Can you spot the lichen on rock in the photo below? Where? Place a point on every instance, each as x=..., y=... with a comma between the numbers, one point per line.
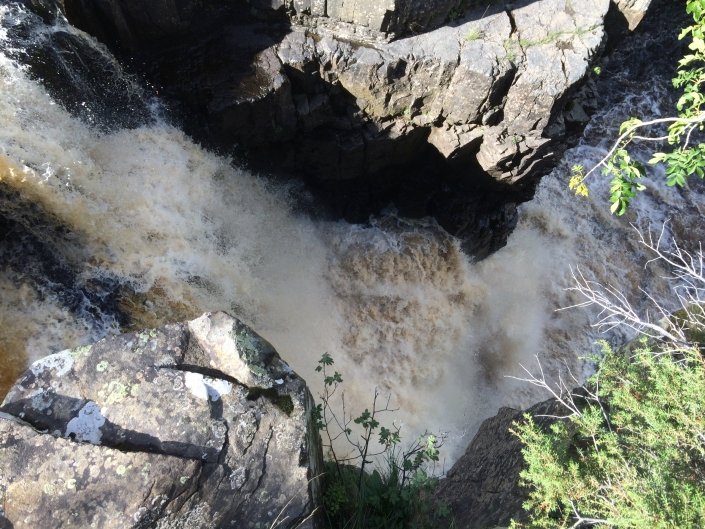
x=158, y=425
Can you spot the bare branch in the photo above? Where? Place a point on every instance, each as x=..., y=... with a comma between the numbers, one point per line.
x=561, y=392
x=615, y=308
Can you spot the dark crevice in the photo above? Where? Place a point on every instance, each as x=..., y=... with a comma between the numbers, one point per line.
x=217, y=413
x=153, y=515
x=264, y=459
x=113, y=436
x=512, y=22
x=196, y=489
x=251, y=440
x=283, y=402
x=149, y=490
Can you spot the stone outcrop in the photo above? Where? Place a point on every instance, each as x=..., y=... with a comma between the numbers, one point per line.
x=193, y=425
x=486, y=87
x=482, y=488
x=469, y=104
x=484, y=91
x=389, y=19
x=633, y=10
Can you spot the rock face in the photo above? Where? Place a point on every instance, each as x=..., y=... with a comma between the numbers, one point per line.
x=194, y=425
x=389, y=19
x=482, y=488
x=486, y=90
x=468, y=104
x=633, y=10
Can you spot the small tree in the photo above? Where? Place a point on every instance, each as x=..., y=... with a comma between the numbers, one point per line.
x=684, y=156
x=630, y=450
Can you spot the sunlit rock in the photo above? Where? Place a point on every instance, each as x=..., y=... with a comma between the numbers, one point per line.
x=199, y=424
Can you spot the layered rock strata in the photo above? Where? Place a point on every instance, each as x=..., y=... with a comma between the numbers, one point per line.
x=469, y=104
x=485, y=91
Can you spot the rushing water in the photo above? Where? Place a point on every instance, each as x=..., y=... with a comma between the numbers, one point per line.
x=167, y=230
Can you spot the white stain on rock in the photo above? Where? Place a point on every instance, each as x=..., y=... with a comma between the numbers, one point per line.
x=60, y=363
x=206, y=387
x=86, y=426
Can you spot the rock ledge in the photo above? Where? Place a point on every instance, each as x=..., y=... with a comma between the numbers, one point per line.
x=192, y=425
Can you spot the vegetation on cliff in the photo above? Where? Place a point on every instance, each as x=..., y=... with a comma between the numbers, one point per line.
x=370, y=481
x=630, y=450
x=683, y=155
x=631, y=453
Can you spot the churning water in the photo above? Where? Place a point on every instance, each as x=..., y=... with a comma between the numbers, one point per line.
x=147, y=221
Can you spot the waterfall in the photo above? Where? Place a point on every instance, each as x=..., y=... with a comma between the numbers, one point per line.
x=116, y=223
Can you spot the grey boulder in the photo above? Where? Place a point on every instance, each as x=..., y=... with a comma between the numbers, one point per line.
x=192, y=425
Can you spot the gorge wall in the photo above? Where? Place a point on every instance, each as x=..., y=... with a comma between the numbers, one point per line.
x=455, y=122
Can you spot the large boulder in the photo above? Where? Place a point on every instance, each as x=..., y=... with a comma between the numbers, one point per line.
x=192, y=425
x=485, y=90
x=482, y=488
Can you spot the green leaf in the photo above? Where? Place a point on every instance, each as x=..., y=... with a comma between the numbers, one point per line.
x=657, y=158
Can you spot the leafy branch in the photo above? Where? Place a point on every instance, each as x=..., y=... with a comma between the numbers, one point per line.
x=685, y=157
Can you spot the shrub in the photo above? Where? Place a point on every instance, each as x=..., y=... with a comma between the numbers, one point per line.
x=396, y=493
x=684, y=154
x=632, y=455
x=630, y=451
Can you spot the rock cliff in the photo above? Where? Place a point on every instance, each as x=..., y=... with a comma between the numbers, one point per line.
x=192, y=425
x=429, y=107
x=485, y=91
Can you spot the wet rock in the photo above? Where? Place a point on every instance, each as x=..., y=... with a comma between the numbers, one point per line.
x=220, y=423
x=482, y=488
x=84, y=78
x=132, y=23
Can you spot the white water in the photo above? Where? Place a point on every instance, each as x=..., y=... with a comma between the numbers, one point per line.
x=397, y=305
